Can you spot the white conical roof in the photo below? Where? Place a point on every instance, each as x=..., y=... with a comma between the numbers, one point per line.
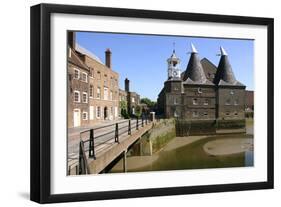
x=223, y=52
x=193, y=49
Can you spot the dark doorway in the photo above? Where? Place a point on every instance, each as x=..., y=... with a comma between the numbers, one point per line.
x=105, y=112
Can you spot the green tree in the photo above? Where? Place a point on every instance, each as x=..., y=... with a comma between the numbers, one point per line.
x=123, y=107
x=150, y=104
x=138, y=111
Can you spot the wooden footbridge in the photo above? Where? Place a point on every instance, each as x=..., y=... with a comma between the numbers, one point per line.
x=99, y=147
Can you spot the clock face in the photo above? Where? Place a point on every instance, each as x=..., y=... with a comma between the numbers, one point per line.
x=175, y=73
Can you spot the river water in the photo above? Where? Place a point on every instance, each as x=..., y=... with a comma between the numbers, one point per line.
x=194, y=152
x=181, y=153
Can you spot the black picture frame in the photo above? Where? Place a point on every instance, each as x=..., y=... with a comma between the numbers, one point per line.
x=41, y=102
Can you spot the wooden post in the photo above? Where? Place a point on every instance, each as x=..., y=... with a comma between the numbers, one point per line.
x=137, y=124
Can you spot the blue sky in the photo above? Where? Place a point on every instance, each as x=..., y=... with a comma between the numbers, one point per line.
x=142, y=58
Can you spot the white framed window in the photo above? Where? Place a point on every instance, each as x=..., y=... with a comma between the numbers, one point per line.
x=236, y=102
x=206, y=102
x=76, y=73
x=176, y=101
x=77, y=96
x=195, y=101
x=111, y=95
x=91, y=91
x=98, y=93
x=85, y=77
x=99, y=74
x=85, y=115
x=176, y=114
x=195, y=114
x=98, y=112
x=101, y=112
x=105, y=93
x=85, y=97
x=92, y=72
x=227, y=102
x=133, y=99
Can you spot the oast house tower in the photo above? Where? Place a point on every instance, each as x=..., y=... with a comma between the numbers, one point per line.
x=204, y=94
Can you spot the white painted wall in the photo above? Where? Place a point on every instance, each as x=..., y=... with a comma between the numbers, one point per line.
x=14, y=55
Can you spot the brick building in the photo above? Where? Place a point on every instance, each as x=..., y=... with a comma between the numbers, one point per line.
x=103, y=89
x=203, y=91
x=77, y=90
x=93, y=88
x=132, y=98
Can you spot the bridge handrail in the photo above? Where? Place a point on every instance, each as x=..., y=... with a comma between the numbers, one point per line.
x=105, y=126
x=116, y=134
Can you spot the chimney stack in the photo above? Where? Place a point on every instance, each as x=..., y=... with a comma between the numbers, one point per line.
x=108, y=58
x=127, y=85
x=71, y=39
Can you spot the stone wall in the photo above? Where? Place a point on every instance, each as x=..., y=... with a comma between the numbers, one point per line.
x=209, y=127
x=193, y=127
x=231, y=103
x=160, y=134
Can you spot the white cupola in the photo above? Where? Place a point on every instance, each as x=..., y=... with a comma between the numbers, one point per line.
x=173, y=66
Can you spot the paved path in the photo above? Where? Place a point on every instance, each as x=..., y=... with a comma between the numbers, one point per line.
x=102, y=132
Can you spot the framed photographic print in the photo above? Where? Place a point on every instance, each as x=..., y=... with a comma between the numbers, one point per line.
x=133, y=103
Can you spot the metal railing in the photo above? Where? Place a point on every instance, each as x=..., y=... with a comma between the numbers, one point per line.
x=91, y=139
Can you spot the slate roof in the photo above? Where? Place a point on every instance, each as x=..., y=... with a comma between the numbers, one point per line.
x=209, y=68
x=194, y=73
x=76, y=60
x=224, y=74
